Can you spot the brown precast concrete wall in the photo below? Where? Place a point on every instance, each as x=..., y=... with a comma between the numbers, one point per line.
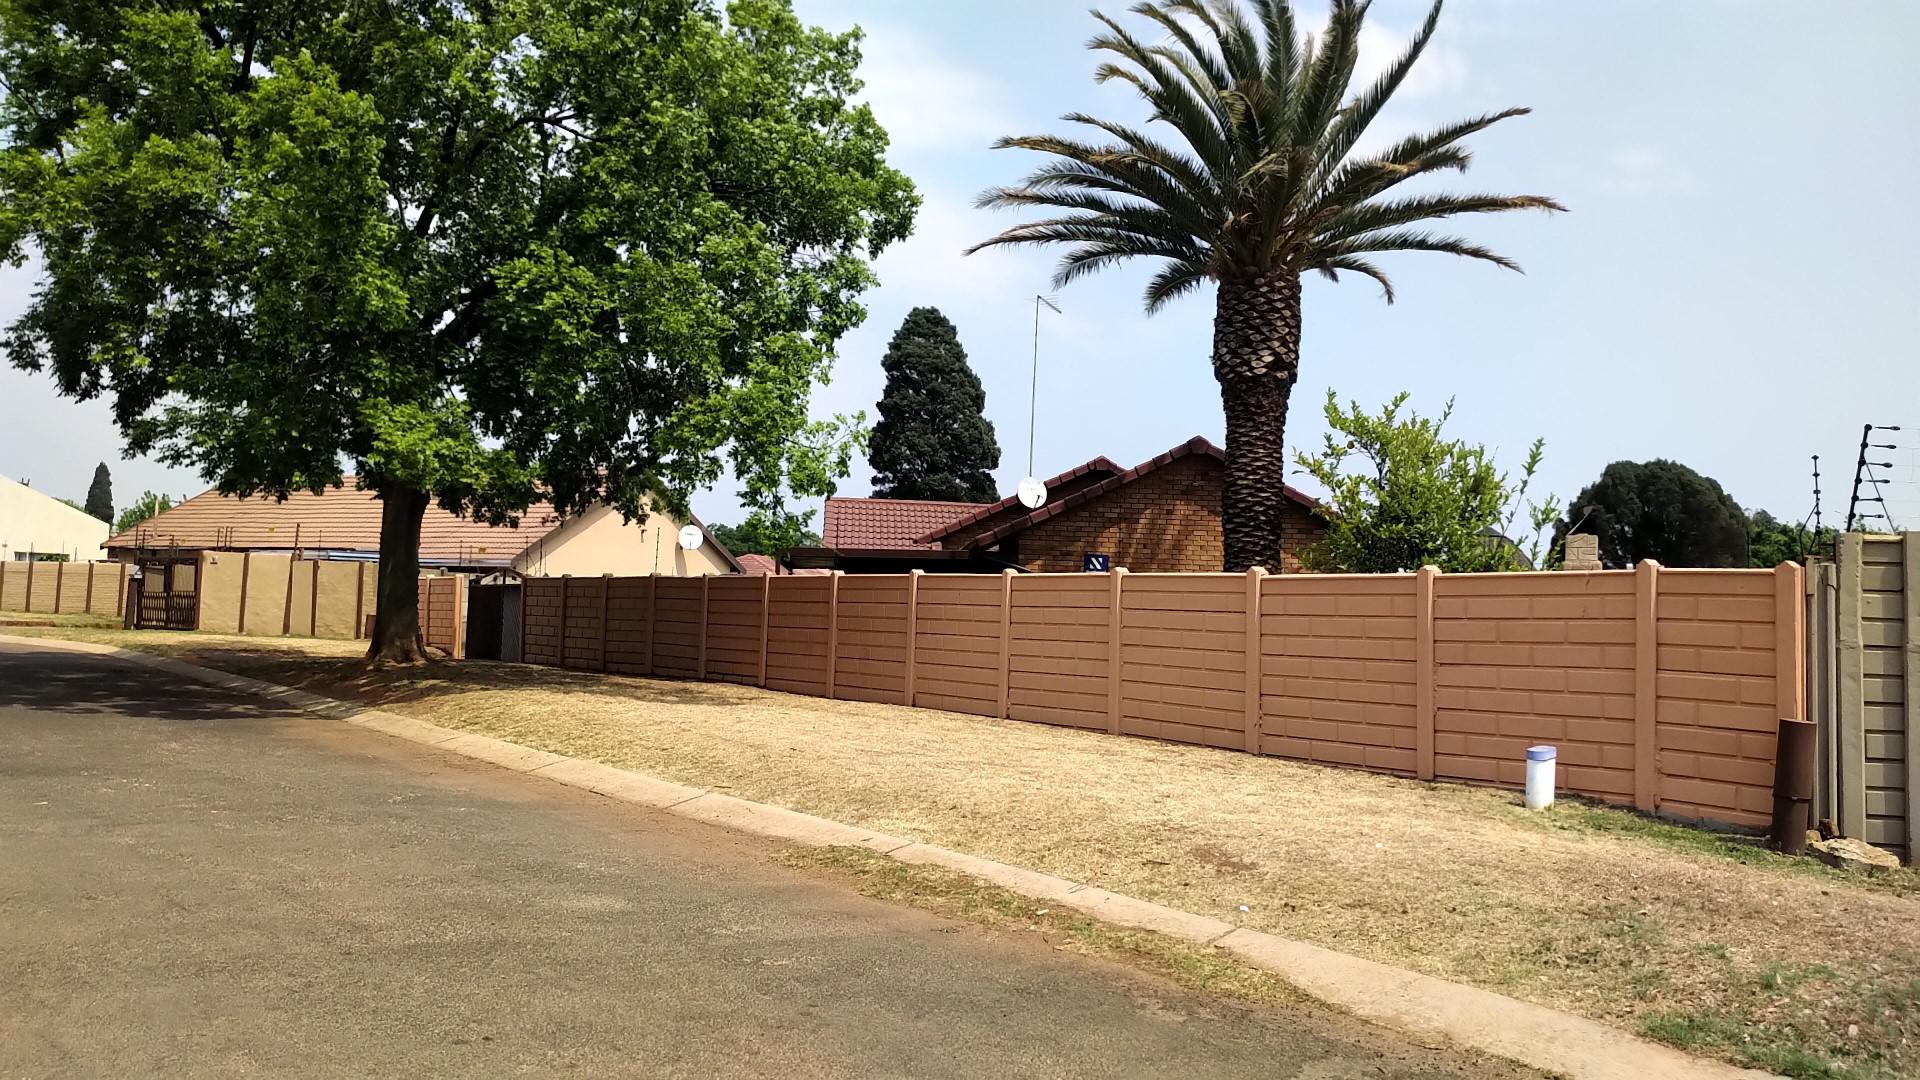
x=1661, y=688
x=263, y=594
x=64, y=588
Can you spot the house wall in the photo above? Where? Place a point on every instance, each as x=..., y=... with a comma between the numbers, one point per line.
x=599, y=542
x=1166, y=521
x=31, y=521
x=1661, y=689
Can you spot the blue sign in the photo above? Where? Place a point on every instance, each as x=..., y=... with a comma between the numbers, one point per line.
x=1096, y=564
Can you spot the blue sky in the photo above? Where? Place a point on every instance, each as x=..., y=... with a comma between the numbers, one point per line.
x=1734, y=286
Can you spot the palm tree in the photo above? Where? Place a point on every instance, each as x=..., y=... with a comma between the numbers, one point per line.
x=1266, y=189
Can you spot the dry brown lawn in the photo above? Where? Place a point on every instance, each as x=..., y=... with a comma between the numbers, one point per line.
x=1706, y=941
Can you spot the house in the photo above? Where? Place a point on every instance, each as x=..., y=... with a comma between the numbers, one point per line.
x=38, y=526
x=1161, y=515
x=342, y=523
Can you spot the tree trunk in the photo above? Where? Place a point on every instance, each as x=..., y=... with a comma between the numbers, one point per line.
x=1256, y=359
x=396, y=608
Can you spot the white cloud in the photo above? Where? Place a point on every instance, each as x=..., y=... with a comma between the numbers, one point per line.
x=926, y=100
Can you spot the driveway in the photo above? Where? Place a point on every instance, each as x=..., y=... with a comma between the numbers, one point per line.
x=194, y=883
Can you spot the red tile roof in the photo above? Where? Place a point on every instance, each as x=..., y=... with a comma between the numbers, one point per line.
x=1097, y=465
x=757, y=564
x=337, y=519
x=1195, y=445
x=886, y=523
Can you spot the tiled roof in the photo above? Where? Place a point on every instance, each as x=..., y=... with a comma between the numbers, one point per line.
x=757, y=564
x=337, y=519
x=1195, y=445
x=1097, y=465
x=886, y=523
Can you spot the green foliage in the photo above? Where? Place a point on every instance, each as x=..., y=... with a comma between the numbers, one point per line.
x=1267, y=180
x=932, y=440
x=1771, y=541
x=567, y=250
x=1401, y=495
x=100, y=494
x=1658, y=510
x=148, y=505
x=767, y=533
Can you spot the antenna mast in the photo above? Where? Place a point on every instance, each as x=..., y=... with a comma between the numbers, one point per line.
x=1033, y=387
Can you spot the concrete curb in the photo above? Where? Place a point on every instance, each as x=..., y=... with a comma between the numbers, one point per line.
x=1394, y=998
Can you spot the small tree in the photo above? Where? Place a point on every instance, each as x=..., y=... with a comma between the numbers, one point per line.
x=100, y=494
x=1400, y=495
x=932, y=441
x=767, y=533
x=1771, y=541
x=148, y=505
x=1658, y=510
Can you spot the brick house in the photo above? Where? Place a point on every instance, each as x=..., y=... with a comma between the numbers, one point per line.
x=1160, y=516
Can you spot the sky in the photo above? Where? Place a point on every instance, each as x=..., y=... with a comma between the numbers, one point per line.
x=1733, y=288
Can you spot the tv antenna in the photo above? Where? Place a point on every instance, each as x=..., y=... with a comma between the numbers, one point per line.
x=1031, y=491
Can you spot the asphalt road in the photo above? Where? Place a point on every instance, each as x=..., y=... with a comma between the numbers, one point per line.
x=198, y=884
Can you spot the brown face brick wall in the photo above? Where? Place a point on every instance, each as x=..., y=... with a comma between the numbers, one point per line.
x=1164, y=522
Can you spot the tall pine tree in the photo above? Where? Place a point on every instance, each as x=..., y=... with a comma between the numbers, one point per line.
x=932, y=441
x=100, y=494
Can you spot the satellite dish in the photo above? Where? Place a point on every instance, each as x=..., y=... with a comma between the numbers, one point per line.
x=691, y=536
x=1031, y=493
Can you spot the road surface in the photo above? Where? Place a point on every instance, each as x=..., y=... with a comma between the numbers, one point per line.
x=197, y=883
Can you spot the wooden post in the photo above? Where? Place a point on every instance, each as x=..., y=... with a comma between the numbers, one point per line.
x=26, y=602
x=59, y=583
x=913, y=627
x=1910, y=602
x=606, y=590
x=246, y=570
x=1423, y=671
x=1851, y=717
x=286, y=609
x=564, y=578
x=1251, y=629
x=1646, y=692
x=653, y=607
x=833, y=629
x=1006, y=638
x=86, y=605
x=1115, y=578
x=706, y=585
x=313, y=599
x=766, y=614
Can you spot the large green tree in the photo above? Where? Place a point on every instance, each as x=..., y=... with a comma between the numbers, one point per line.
x=1658, y=510
x=482, y=254
x=933, y=440
x=1402, y=495
x=1267, y=187
x=100, y=494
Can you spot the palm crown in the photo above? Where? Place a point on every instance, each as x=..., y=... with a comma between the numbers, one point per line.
x=1268, y=181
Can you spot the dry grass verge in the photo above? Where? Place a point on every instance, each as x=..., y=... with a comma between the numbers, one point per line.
x=1705, y=941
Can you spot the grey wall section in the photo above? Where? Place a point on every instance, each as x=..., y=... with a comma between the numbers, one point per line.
x=1863, y=648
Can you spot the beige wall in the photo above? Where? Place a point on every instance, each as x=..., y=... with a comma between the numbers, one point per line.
x=280, y=595
x=599, y=542
x=1660, y=688
x=37, y=522
x=68, y=588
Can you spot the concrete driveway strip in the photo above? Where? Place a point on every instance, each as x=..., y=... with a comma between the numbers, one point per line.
x=193, y=883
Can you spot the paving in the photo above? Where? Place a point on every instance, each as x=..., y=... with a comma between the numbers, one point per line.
x=193, y=882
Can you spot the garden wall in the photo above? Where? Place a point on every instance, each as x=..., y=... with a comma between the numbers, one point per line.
x=63, y=588
x=1662, y=689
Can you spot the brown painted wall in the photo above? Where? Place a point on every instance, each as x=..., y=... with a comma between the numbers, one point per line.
x=1657, y=687
x=1166, y=521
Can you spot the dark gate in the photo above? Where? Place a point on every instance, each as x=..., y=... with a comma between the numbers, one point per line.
x=167, y=597
x=493, y=622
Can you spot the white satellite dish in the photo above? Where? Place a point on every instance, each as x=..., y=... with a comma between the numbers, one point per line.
x=1031, y=493
x=691, y=536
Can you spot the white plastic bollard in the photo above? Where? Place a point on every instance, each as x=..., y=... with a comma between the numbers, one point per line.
x=1540, y=760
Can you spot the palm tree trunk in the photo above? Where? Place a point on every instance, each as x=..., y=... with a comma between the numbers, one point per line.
x=1256, y=359
x=396, y=610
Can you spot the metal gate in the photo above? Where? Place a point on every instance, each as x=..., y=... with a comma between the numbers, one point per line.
x=167, y=597
x=493, y=622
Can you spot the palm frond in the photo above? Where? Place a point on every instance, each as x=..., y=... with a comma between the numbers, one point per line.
x=1283, y=44
x=1331, y=266
x=1173, y=95
x=1353, y=120
x=1408, y=240
x=1191, y=175
x=1368, y=217
x=1356, y=181
x=1175, y=279
x=1205, y=59
x=1116, y=175
x=1328, y=77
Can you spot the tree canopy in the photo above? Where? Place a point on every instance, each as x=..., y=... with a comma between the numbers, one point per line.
x=933, y=440
x=1401, y=495
x=100, y=494
x=480, y=254
x=1658, y=510
x=148, y=505
x=1270, y=176
x=1771, y=541
x=767, y=533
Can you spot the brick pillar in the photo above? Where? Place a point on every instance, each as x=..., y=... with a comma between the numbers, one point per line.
x=1006, y=637
x=1255, y=575
x=766, y=615
x=833, y=630
x=913, y=628
x=1423, y=709
x=1116, y=579
x=1646, y=694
